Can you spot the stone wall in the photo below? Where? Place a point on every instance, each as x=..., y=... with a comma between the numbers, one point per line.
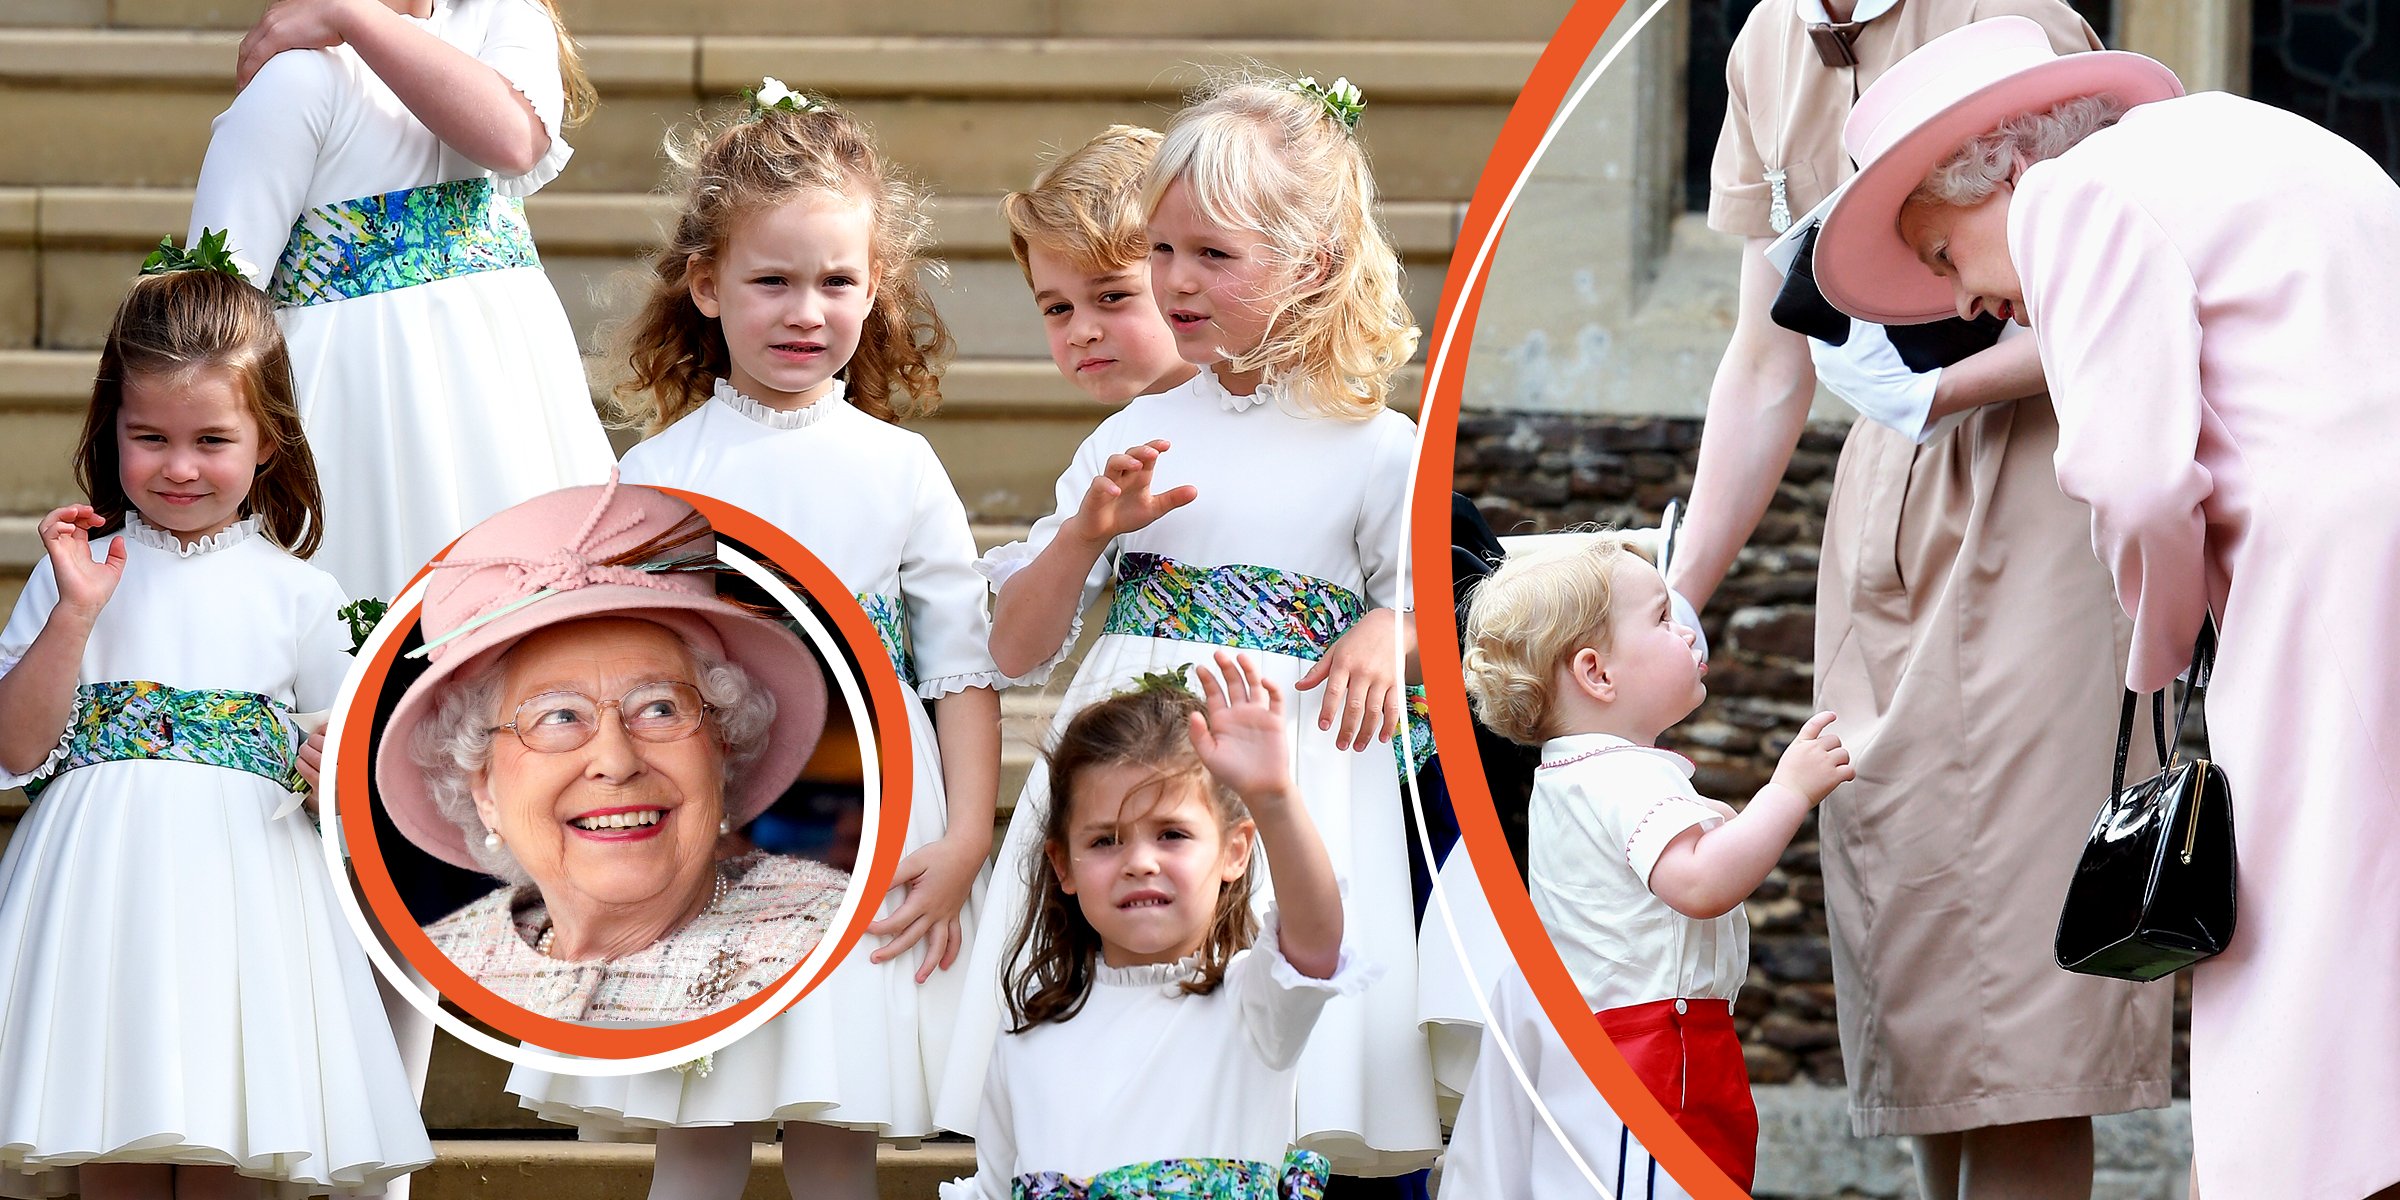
x=1530, y=472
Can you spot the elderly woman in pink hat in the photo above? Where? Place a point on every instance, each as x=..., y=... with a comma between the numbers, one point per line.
x=2211, y=285
x=595, y=723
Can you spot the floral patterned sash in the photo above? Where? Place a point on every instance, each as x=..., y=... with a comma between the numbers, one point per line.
x=401, y=239
x=890, y=615
x=1303, y=1176
x=242, y=731
x=1249, y=608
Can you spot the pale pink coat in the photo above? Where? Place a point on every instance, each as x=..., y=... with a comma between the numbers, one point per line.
x=2216, y=287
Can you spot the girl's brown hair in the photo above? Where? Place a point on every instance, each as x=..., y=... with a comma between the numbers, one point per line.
x=171, y=325
x=582, y=98
x=736, y=167
x=1058, y=949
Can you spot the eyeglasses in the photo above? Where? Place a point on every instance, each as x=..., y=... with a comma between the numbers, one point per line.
x=556, y=722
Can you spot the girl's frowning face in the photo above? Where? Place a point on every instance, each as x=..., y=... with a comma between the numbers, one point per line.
x=1145, y=862
x=791, y=290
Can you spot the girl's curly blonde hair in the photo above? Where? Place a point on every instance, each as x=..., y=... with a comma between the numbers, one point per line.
x=1527, y=620
x=745, y=162
x=1255, y=155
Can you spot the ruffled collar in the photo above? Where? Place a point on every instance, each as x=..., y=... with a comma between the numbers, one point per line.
x=776, y=418
x=1208, y=385
x=144, y=533
x=1157, y=975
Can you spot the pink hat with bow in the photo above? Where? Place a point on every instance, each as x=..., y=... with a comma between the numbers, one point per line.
x=1951, y=90
x=549, y=561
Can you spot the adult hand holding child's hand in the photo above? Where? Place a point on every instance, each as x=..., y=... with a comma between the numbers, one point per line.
x=1816, y=762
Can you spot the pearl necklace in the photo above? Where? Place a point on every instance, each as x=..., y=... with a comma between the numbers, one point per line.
x=716, y=896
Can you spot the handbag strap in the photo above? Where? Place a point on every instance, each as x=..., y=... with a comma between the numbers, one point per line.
x=2204, y=659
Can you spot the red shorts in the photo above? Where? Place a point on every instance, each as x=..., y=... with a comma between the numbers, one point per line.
x=1692, y=1061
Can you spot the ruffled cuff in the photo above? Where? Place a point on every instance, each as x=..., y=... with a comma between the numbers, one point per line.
x=935, y=689
x=58, y=753
x=1005, y=561
x=1351, y=974
x=552, y=162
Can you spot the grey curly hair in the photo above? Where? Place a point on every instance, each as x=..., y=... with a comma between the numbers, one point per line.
x=1970, y=176
x=454, y=743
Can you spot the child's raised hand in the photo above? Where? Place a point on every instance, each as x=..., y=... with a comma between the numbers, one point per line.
x=1361, y=677
x=938, y=877
x=1119, y=499
x=84, y=586
x=1816, y=762
x=1240, y=732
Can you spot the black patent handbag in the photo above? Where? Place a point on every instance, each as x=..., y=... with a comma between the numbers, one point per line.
x=2153, y=892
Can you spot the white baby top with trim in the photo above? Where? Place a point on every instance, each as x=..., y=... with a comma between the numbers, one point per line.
x=1603, y=811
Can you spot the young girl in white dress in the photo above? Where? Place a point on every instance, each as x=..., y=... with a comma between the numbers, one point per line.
x=1258, y=506
x=1157, y=1027
x=785, y=331
x=376, y=189
x=183, y=1010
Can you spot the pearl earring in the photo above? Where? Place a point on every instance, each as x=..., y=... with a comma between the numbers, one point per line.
x=724, y=826
x=491, y=840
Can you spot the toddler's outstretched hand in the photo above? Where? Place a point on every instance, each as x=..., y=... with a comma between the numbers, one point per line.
x=1816, y=762
x=1240, y=731
x=84, y=586
x=1119, y=499
x=1361, y=677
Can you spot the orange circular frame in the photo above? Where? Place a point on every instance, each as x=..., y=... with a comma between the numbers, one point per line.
x=886, y=700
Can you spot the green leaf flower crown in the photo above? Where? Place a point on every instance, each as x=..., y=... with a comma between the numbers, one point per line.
x=1343, y=101
x=1161, y=681
x=207, y=254
x=362, y=617
x=771, y=95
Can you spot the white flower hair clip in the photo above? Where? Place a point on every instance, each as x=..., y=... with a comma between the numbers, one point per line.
x=772, y=95
x=1343, y=101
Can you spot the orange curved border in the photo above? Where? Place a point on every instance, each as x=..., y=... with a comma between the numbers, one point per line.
x=886, y=699
x=1545, y=90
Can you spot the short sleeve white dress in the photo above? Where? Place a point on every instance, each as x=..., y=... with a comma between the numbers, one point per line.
x=438, y=377
x=1197, y=1100
x=866, y=1048
x=1295, y=533
x=177, y=983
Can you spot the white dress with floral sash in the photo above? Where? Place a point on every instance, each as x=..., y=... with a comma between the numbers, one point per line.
x=869, y=499
x=1295, y=533
x=437, y=375
x=177, y=981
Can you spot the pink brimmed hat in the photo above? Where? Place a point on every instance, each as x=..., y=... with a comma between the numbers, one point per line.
x=544, y=563
x=1929, y=105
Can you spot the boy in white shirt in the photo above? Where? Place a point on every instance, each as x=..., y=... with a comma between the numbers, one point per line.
x=1638, y=878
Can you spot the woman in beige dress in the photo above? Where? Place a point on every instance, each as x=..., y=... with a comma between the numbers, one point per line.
x=1981, y=704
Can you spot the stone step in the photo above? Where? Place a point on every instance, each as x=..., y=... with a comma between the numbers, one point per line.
x=1005, y=430
x=66, y=253
x=1419, y=20
x=971, y=115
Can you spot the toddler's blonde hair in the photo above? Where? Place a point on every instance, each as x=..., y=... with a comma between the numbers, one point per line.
x=1087, y=204
x=1255, y=155
x=1527, y=620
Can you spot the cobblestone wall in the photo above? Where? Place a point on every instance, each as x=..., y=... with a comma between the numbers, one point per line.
x=1534, y=472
